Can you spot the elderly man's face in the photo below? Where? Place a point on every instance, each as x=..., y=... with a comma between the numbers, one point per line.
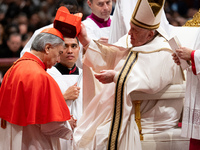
x=139, y=36
x=52, y=55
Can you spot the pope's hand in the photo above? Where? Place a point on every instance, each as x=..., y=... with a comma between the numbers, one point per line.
x=82, y=36
x=105, y=76
x=103, y=40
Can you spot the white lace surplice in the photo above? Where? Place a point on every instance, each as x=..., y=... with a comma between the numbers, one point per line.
x=191, y=115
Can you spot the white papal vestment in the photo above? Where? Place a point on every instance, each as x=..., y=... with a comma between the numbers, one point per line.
x=150, y=74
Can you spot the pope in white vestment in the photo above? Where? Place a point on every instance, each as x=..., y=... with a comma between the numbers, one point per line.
x=150, y=74
x=121, y=18
x=109, y=118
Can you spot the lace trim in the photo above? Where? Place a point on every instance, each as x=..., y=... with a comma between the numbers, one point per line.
x=191, y=116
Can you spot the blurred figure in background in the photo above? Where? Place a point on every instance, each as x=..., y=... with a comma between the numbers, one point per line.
x=13, y=48
x=71, y=5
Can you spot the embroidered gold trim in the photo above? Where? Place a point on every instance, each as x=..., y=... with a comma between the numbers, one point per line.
x=145, y=26
x=195, y=21
x=147, y=52
x=119, y=100
x=157, y=50
x=139, y=23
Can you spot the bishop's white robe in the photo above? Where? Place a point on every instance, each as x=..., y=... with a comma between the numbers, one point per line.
x=150, y=74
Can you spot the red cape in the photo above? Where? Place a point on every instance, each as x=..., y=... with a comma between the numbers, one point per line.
x=29, y=95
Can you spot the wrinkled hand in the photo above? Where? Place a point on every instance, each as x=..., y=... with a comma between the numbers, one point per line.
x=184, y=53
x=82, y=36
x=103, y=40
x=176, y=59
x=105, y=76
x=72, y=92
x=72, y=122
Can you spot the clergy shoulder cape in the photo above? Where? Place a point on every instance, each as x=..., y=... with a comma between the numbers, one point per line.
x=29, y=95
x=109, y=120
x=64, y=82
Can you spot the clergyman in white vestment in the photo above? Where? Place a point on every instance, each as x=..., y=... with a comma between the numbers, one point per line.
x=98, y=27
x=190, y=123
